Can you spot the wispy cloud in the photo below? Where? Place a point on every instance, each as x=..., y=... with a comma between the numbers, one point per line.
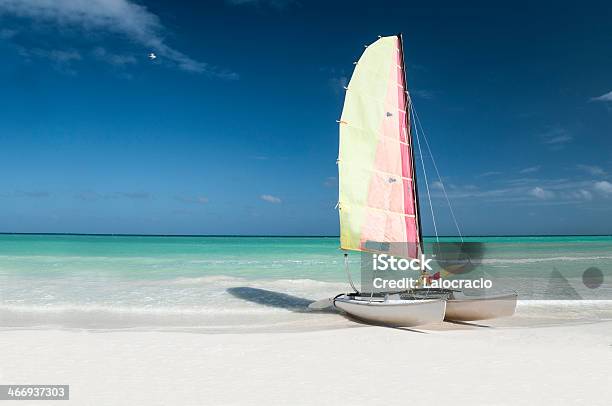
x=488, y=174
x=270, y=199
x=192, y=199
x=526, y=191
x=114, y=59
x=424, y=94
x=338, y=84
x=57, y=55
x=123, y=17
x=31, y=194
x=135, y=195
x=437, y=185
x=337, y=79
x=582, y=195
x=541, y=194
x=330, y=181
x=62, y=59
x=90, y=195
x=34, y=194
x=606, y=97
x=531, y=169
x=604, y=187
x=592, y=169
x=556, y=138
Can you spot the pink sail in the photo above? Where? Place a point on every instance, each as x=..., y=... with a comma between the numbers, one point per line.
x=378, y=209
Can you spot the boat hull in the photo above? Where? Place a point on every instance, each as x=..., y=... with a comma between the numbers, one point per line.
x=462, y=307
x=471, y=309
x=400, y=313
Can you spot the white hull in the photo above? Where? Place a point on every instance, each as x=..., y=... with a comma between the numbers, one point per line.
x=405, y=313
x=466, y=308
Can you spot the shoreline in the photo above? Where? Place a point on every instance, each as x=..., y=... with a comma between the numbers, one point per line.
x=269, y=320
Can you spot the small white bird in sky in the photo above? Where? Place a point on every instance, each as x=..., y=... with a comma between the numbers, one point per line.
x=152, y=56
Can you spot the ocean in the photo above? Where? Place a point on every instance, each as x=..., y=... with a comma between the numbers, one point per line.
x=221, y=284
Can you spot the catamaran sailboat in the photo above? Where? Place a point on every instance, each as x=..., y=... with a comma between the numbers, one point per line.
x=378, y=194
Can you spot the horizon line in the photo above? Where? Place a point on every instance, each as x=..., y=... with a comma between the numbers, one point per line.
x=290, y=236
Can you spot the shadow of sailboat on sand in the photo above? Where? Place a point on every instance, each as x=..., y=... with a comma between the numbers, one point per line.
x=274, y=299
x=292, y=303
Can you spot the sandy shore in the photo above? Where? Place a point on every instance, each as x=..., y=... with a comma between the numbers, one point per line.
x=565, y=364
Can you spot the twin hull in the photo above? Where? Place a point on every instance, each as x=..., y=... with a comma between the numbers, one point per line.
x=405, y=313
x=417, y=312
x=480, y=308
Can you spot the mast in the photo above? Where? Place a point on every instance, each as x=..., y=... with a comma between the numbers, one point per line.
x=415, y=187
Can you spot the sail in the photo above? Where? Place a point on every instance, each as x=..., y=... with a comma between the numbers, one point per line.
x=377, y=202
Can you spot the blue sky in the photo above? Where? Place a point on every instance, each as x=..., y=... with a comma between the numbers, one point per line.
x=231, y=130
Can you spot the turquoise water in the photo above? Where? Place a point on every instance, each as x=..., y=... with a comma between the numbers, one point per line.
x=149, y=257
x=318, y=258
x=214, y=281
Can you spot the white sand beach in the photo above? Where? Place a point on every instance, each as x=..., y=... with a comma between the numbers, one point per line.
x=449, y=364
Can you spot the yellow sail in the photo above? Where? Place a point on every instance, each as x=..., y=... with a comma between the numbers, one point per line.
x=377, y=201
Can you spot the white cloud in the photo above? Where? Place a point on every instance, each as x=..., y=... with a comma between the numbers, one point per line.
x=437, y=185
x=192, y=199
x=135, y=195
x=424, y=94
x=556, y=138
x=90, y=195
x=541, y=194
x=338, y=84
x=592, y=169
x=604, y=187
x=114, y=59
x=56, y=55
x=583, y=194
x=62, y=59
x=531, y=169
x=524, y=191
x=123, y=17
x=607, y=97
x=270, y=199
x=330, y=181
x=35, y=194
x=559, y=139
x=487, y=174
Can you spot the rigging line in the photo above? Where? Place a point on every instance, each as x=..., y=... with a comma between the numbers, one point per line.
x=433, y=216
x=348, y=272
x=450, y=206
